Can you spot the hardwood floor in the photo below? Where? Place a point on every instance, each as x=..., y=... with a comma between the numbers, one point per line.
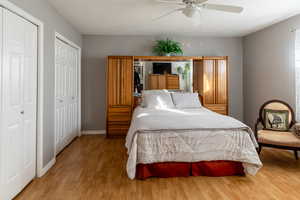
x=93, y=167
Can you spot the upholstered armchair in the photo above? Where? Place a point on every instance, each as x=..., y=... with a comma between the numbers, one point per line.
x=277, y=127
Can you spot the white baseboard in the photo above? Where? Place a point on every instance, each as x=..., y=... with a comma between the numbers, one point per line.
x=46, y=168
x=93, y=132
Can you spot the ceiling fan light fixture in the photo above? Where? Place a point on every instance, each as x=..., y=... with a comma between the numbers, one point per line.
x=190, y=12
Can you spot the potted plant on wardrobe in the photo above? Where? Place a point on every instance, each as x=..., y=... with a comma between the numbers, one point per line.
x=167, y=48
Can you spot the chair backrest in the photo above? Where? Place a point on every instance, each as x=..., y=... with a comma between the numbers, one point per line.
x=277, y=105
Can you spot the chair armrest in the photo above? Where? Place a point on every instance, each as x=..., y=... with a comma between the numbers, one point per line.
x=297, y=124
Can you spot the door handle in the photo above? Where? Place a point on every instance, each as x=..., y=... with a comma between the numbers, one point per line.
x=60, y=100
x=22, y=112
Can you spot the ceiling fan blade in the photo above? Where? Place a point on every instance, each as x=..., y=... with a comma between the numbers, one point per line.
x=178, y=2
x=169, y=13
x=225, y=8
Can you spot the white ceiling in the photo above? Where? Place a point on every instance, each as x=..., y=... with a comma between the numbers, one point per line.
x=134, y=17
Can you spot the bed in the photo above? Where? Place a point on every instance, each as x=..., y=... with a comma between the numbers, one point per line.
x=167, y=140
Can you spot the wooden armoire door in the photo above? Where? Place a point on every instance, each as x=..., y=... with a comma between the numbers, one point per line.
x=221, y=87
x=221, y=82
x=119, y=94
x=198, y=76
x=210, y=81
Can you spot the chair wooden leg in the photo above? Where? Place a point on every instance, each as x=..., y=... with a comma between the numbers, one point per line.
x=296, y=154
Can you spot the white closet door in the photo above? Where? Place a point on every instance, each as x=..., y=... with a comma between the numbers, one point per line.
x=66, y=111
x=19, y=94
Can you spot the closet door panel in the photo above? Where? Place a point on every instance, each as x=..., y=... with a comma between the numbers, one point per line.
x=74, y=93
x=66, y=119
x=209, y=81
x=30, y=101
x=19, y=83
x=60, y=88
x=13, y=102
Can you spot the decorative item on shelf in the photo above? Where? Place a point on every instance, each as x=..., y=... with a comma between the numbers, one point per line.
x=179, y=70
x=186, y=76
x=186, y=71
x=167, y=48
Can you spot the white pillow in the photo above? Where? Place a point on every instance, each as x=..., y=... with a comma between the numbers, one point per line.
x=158, y=101
x=154, y=92
x=186, y=100
x=146, y=92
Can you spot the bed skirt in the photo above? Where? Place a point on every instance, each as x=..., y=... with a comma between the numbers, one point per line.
x=181, y=169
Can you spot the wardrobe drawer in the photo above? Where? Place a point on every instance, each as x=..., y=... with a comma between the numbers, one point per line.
x=118, y=123
x=119, y=109
x=117, y=129
x=218, y=108
x=119, y=116
x=222, y=112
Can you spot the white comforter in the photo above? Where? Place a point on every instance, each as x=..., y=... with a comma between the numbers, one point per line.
x=188, y=135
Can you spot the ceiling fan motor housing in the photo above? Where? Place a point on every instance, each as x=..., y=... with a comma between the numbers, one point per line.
x=188, y=1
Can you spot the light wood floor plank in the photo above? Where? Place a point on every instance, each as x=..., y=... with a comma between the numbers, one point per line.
x=93, y=168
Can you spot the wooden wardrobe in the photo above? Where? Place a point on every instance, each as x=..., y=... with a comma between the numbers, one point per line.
x=119, y=94
x=210, y=80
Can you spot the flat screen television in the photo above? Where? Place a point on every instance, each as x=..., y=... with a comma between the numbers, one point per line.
x=162, y=68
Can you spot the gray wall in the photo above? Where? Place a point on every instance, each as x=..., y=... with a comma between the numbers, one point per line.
x=96, y=48
x=269, y=67
x=52, y=22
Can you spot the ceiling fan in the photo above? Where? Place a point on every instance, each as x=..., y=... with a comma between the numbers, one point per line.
x=193, y=7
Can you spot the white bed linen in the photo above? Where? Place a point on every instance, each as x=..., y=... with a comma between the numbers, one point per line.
x=158, y=101
x=186, y=100
x=188, y=135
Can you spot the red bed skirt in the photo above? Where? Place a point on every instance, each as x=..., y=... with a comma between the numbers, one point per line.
x=177, y=169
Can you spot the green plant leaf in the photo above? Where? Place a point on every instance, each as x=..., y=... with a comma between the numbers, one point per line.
x=167, y=46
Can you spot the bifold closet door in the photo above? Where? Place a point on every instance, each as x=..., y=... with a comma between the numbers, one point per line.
x=66, y=89
x=19, y=103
